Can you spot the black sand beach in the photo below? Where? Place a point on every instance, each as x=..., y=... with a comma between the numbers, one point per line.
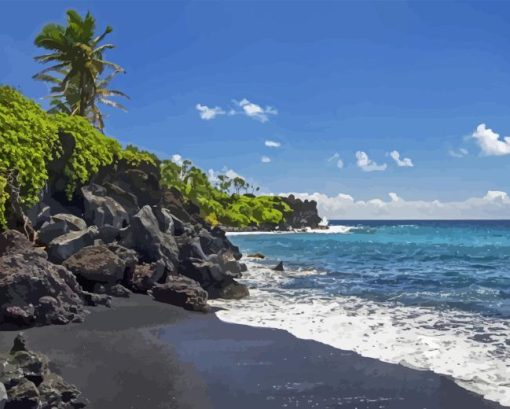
x=142, y=354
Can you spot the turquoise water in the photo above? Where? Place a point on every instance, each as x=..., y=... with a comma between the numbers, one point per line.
x=461, y=265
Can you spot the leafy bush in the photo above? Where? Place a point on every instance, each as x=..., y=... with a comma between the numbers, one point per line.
x=92, y=151
x=216, y=204
x=28, y=141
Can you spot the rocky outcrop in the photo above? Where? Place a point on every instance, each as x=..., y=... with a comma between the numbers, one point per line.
x=101, y=210
x=304, y=214
x=26, y=382
x=34, y=291
x=63, y=247
x=181, y=291
x=150, y=241
x=96, y=264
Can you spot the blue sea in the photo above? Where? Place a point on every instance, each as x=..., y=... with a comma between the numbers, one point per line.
x=430, y=295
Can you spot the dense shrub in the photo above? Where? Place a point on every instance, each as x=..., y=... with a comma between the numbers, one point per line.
x=29, y=140
x=218, y=206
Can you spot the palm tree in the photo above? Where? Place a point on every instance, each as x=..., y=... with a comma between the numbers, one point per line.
x=79, y=62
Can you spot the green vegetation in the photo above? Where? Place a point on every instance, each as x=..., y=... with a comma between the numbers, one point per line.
x=29, y=141
x=217, y=204
x=77, y=69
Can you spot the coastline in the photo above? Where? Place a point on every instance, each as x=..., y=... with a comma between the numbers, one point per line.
x=141, y=353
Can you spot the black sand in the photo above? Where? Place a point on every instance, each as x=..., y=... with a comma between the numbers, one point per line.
x=146, y=355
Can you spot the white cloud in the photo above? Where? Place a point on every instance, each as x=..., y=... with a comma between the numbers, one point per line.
x=404, y=162
x=366, y=164
x=272, y=144
x=265, y=159
x=459, y=153
x=208, y=113
x=493, y=205
x=177, y=159
x=490, y=143
x=212, y=174
x=255, y=111
x=336, y=158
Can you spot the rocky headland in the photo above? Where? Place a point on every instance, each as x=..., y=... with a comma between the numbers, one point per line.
x=121, y=233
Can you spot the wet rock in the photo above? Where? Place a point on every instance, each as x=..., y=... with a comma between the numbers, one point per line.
x=62, y=247
x=228, y=289
x=97, y=264
x=279, y=267
x=23, y=395
x=181, y=291
x=101, y=209
x=257, y=255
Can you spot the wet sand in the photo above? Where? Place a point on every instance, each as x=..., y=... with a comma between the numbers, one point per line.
x=141, y=354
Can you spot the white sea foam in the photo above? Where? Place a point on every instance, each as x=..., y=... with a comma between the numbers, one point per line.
x=329, y=230
x=465, y=346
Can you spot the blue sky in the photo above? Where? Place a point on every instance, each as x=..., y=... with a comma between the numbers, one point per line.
x=336, y=77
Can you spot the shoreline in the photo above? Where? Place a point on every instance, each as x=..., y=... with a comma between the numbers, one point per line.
x=141, y=353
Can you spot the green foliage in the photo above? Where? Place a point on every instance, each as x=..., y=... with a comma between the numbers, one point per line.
x=135, y=156
x=28, y=141
x=216, y=203
x=92, y=151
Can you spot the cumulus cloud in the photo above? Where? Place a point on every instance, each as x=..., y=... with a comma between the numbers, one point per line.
x=368, y=165
x=490, y=142
x=265, y=159
x=272, y=144
x=212, y=174
x=493, y=205
x=255, y=111
x=458, y=153
x=404, y=162
x=208, y=113
x=177, y=159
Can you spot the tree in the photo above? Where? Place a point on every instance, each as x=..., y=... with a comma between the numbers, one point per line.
x=78, y=65
x=239, y=183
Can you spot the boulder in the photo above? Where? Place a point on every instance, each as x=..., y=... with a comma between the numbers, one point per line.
x=97, y=264
x=51, y=230
x=219, y=242
x=126, y=199
x=62, y=247
x=3, y=396
x=26, y=381
x=109, y=234
x=147, y=276
x=74, y=223
x=118, y=290
x=181, y=291
x=257, y=255
x=228, y=289
x=165, y=219
x=36, y=292
x=147, y=238
x=93, y=299
x=101, y=209
x=207, y=273
x=14, y=242
x=129, y=257
x=279, y=267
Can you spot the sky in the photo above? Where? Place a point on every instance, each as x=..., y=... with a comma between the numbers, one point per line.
x=400, y=106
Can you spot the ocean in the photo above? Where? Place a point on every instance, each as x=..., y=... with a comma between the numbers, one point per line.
x=430, y=295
